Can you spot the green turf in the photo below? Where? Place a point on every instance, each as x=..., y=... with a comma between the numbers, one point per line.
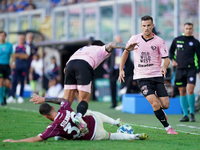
x=23, y=120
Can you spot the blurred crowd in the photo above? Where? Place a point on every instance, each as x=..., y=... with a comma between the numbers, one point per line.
x=16, y=6
x=22, y=69
x=7, y=6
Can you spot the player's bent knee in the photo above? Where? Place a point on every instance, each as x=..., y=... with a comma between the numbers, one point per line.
x=165, y=106
x=155, y=105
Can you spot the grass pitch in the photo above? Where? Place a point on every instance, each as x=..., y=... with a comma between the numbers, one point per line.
x=19, y=121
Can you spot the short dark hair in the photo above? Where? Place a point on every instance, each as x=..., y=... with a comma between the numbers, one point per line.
x=188, y=23
x=147, y=17
x=45, y=109
x=3, y=32
x=98, y=43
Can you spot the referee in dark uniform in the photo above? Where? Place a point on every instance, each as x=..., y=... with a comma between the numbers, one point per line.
x=187, y=50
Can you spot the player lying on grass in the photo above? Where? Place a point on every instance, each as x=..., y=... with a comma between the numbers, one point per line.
x=63, y=126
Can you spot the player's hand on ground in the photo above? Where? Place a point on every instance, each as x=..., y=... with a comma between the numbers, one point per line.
x=37, y=99
x=174, y=63
x=163, y=71
x=132, y=46
x=121, y=76
x=8, y=140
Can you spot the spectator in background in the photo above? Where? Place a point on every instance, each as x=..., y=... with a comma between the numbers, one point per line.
x=67, y=2
x=5, y=54
x=54, y=3
x=36, y=71
x=11, y=7
x=113, y=63
x=3, y=7
x=21, y=5
x=54, y=87
x=21, y=53
x=34, y=50
x=54, y=68
x=30, y=5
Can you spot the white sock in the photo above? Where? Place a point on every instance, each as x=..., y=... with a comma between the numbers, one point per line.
x=104, y=118
x=167, y=128
x=123, y=136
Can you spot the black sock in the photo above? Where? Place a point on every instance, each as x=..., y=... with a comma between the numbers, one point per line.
x=82, y=107
x=161, y=117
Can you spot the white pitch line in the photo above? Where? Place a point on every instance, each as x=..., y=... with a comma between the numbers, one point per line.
x=20, y=109
x=145, y=126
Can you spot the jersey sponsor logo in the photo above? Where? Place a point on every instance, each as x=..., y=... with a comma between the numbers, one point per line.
x=191, y=43
x=153, y=48
x=191, y=79
x=165, y=50
x=145, y=57
x=147, y=65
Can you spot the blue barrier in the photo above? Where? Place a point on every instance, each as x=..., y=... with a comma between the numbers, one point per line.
x=137, y=104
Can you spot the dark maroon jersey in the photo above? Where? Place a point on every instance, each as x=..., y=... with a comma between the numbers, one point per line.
x=63, y=125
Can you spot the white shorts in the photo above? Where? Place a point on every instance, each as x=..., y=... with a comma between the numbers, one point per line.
x=100, y=133
x=85, y=88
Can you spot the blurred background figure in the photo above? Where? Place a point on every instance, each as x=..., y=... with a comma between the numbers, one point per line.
x=34, y=50
x=11, y=7
x=5, y=55
x=30, y=5
x=21, y=53
x=67, y=2
x=54, y=3
x=36, y=73
x=53, y=68
x=21, y=5
x=113, y=64
x=55, y=87
x=3, y=6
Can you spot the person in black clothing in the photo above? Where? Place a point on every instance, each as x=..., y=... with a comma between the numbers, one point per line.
x=113, y=64
x=187, y=48
x=29, y=41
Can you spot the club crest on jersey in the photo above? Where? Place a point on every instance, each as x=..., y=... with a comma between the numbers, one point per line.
x=190, y=43
x=144, y=90
x=153, y=48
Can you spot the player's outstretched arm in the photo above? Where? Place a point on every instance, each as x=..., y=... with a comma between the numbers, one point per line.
x=39, y=100
x=112, y=45
x=31, y=139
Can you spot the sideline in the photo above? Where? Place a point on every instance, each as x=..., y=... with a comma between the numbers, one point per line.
x=20, y=109
x=144, y=126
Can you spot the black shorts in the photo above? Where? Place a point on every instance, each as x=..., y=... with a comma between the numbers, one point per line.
x=154, y=85
x=78, y=72
x=5, y=71
x=184, y=76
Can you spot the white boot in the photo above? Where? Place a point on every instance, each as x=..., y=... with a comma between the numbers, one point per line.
x=11, y=100
x=20, y=100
